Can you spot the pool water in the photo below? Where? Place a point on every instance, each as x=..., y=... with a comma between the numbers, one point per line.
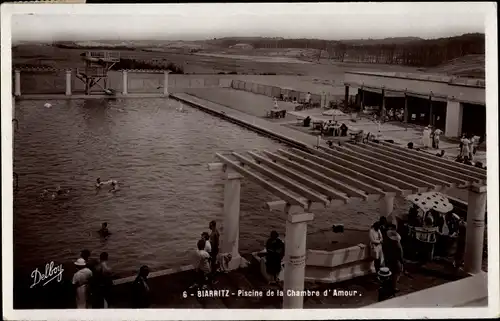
x=167, y=194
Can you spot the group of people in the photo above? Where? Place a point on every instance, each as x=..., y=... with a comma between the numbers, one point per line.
x=468, y=148
x=447, y=230
x=431, y=137
x=92, y=281
x=387, y=252
x=56, y=193
x=113, y=184
x=395, y=114
x=334, y=128
x=276, y=111
x=208, y=260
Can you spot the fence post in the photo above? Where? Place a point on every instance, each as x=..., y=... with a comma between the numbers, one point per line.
x=125, y=82
x=17, y=83
x=68, y=82
x=165, y=83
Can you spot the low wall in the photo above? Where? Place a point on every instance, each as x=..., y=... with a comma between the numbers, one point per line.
x=35, y=81
x=275, y=91
x=471, y=291
x=330, y=266
x=43, y=81
x=337, y=258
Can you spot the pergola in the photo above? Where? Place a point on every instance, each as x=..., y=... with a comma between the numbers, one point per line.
x=329, y=177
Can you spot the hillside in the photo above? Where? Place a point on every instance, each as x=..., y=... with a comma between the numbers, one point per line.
x=385, y=41
x=472, y=66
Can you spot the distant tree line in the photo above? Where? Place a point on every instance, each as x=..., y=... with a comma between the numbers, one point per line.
x=70, y=45
x=126, y=63
x=403, y=51
x=423, y=53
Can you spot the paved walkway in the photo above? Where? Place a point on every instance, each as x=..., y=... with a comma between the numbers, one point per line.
x=260, y=123
x=246, y=110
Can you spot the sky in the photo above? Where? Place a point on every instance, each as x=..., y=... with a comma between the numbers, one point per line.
x=331, y=21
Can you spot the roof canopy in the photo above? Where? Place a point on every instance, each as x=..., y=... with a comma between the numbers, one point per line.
x=350, y=172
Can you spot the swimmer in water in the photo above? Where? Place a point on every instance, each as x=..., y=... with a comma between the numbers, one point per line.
x=114, y=186
x=44, y=193
x=98, y=183
x=55, y=193
x=104, y=230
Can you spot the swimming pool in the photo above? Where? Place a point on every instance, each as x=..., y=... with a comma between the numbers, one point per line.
x=167, y=195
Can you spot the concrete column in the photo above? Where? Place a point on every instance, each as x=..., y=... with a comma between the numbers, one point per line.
x=387, y=208
x=17, y=82
x=68, y=82
x=382, y=113
x=125, y=82
x=386, y=205
x=406, y=111
x=454, y=114
x=362, y=99
x=475, y=229
x=431, y=112
x=165, y=83
x=231, y=227
x=295, y=256
x=346, y=95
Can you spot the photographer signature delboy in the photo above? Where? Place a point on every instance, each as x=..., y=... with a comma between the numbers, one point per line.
x=51, y=273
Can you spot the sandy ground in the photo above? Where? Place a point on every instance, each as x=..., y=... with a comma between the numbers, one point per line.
x=257, y=58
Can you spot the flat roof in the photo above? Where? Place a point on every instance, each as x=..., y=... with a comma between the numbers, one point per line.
x=440, y=87
x=459, y=81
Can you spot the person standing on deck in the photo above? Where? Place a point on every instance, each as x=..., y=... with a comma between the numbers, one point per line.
x=393, y=254
x=473, y=144
x=202, y=264
x=376, y=245
x=426, y=136
x=437, y=134
x=308, y=99
x=275, y=251
x=214, y=242
x=81, y=280
x=103, y=283
x=465, y=150
x=383, y=226
x=140, y=289
x=206, y=238
x=461, y=240
x=386, y=290
x=275, y=107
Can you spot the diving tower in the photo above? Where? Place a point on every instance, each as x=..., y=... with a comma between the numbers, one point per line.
x=95, y=73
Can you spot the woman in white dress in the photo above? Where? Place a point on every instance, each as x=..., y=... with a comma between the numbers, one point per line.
x=426, y=137
x=376, y=240
x=81, y=281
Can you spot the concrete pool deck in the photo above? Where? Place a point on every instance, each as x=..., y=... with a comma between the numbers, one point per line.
x=245, y=105
x=168, y=291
